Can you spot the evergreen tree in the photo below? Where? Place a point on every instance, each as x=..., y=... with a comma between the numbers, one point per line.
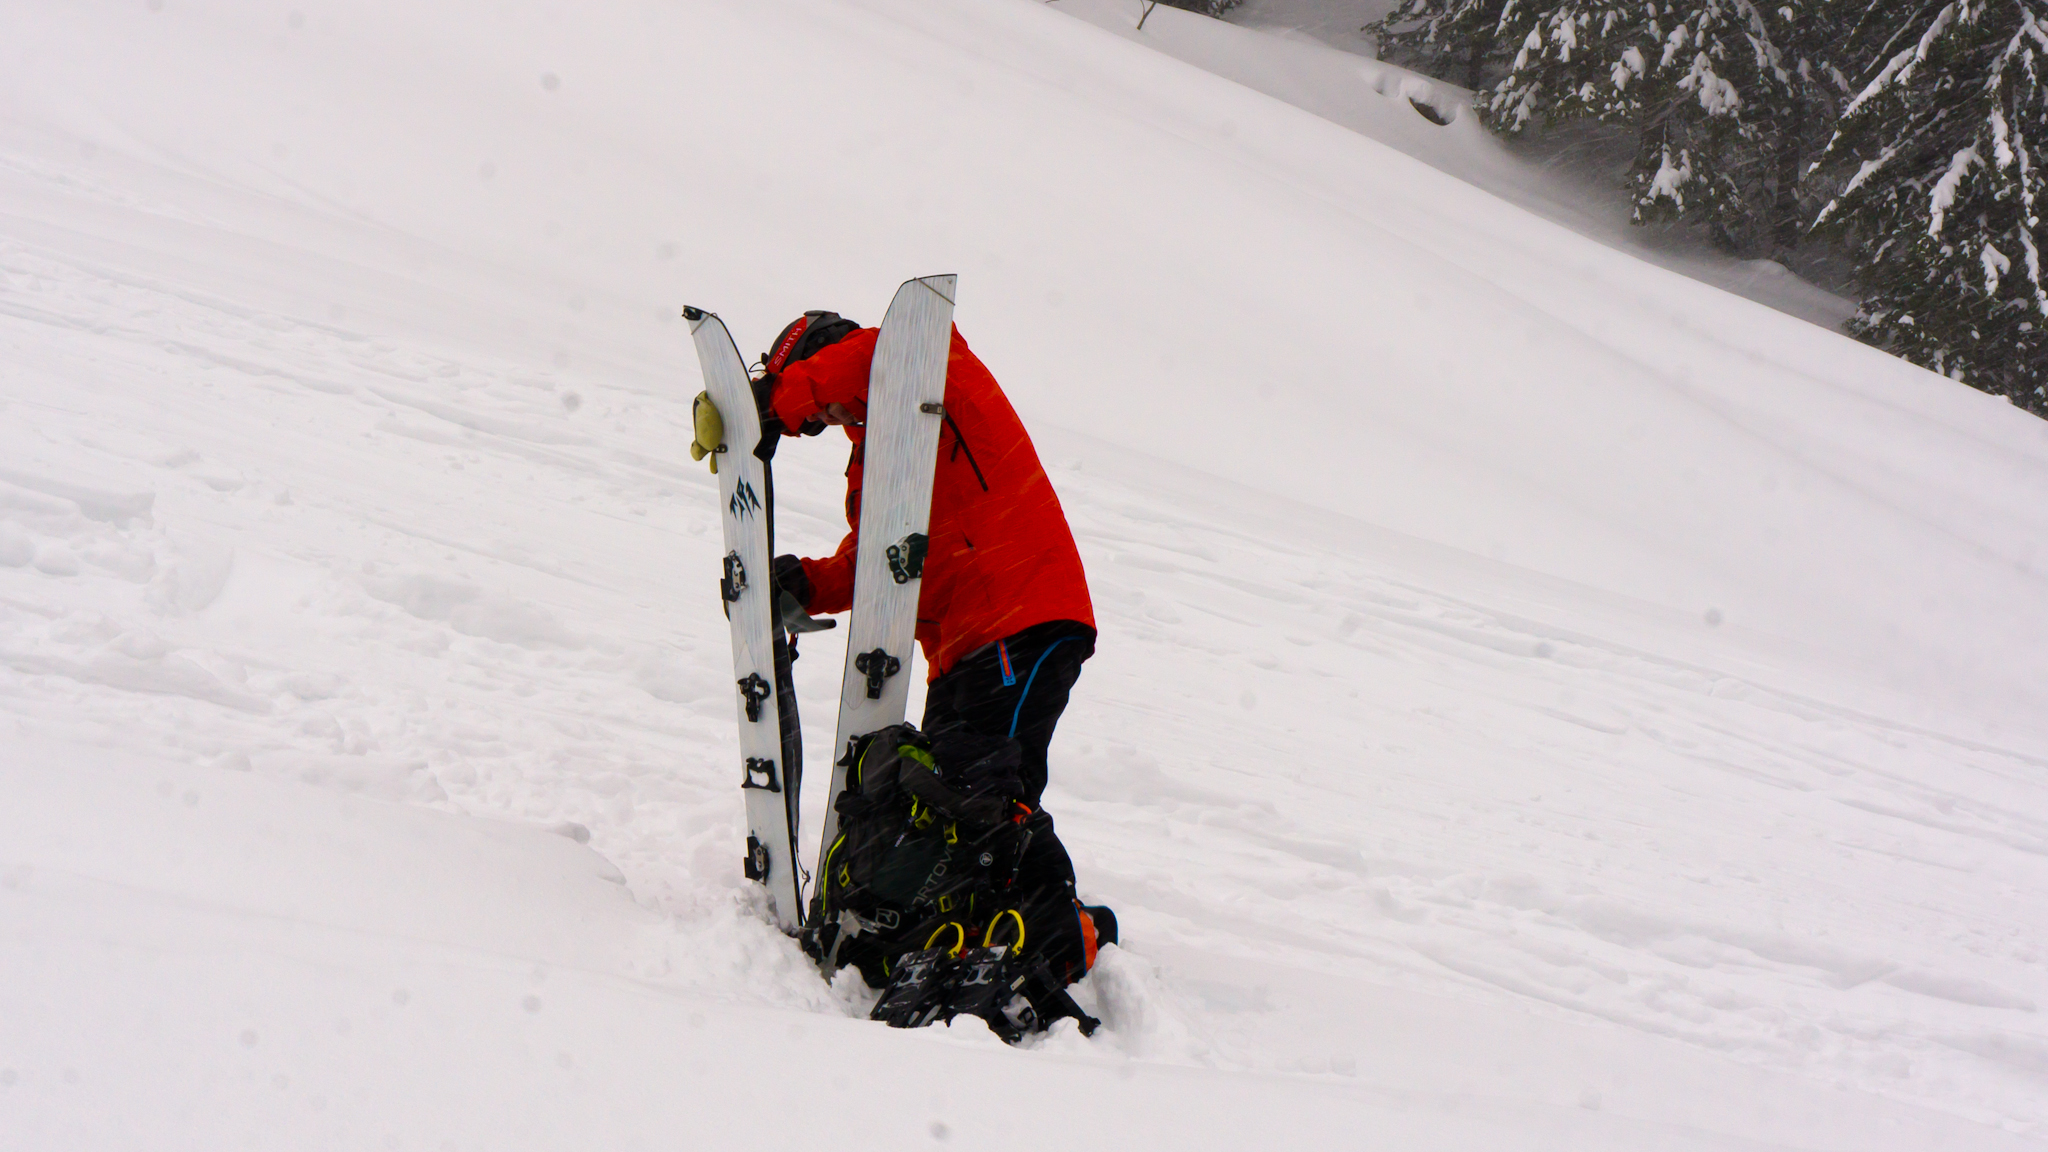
x=1949, y=188
x=1725, y=98
x=1451, y=39
x=1819, y=58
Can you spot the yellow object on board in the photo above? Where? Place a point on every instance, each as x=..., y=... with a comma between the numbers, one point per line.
x=710, y=439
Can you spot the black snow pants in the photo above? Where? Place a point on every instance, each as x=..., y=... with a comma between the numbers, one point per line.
x=1015, y=687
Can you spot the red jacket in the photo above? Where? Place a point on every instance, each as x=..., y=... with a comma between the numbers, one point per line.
x=1002, y=557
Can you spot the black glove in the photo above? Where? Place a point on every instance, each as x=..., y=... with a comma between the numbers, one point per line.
x=764, y=402
x=791, y=578
x=793, y=592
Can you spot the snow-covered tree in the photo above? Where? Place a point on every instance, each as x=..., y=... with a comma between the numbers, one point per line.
x=1945, y=157
x=1725, y=98
x=1451, y=39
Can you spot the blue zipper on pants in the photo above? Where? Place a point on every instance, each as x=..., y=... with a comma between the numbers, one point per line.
x=1028, y=680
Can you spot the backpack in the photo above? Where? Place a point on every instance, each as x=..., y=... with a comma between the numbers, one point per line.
x=944, y=888
x=930, y=828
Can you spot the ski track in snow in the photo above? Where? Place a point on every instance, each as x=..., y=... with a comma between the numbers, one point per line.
x=207, y=548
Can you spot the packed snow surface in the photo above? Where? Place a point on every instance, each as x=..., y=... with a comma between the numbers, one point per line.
x=1544, y=701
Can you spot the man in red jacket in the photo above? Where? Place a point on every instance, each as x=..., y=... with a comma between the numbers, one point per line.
x=1003, y=613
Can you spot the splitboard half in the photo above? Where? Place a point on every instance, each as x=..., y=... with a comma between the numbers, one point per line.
x=771, y=757
x=906, y=398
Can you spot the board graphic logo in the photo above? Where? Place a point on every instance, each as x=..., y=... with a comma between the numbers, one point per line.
x=744, y=503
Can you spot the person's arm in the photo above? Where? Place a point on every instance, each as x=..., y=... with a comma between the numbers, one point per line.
x=837, y=374
x=831, y=579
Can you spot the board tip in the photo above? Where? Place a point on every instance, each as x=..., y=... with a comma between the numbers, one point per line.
x=944, y=285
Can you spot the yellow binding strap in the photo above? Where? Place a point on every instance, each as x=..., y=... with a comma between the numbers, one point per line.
x=959, y=937
x=988, y=938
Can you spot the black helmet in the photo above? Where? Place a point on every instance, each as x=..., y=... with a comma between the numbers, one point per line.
x=804, y=337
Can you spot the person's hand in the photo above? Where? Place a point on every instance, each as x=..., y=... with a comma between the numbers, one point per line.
x=791, y=577
x=764, y=402
x=792, y=592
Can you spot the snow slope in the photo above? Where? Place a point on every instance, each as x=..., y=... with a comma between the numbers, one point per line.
x=1305, y=53
x=1603, y=712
